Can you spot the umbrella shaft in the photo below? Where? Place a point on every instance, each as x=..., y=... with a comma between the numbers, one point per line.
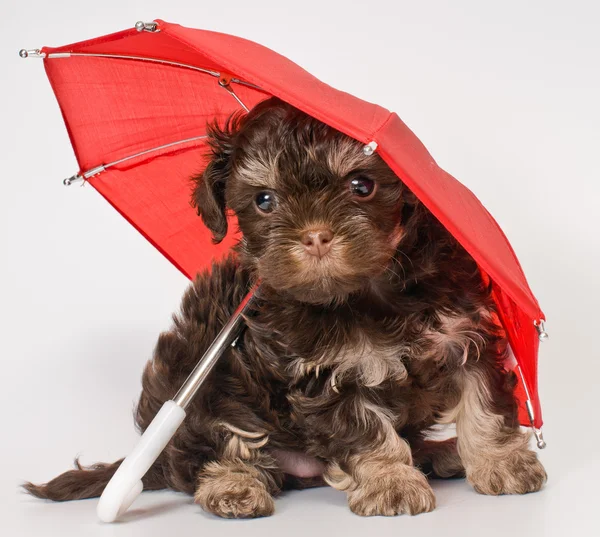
x=226, y=337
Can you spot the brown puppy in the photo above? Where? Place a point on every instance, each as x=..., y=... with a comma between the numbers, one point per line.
x=373, y=325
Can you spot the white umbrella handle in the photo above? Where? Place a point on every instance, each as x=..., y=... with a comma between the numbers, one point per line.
x=126, y=485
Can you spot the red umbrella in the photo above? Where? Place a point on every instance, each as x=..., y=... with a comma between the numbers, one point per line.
x=136, y=104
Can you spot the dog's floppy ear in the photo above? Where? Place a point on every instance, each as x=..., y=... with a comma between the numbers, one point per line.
x=208, y=195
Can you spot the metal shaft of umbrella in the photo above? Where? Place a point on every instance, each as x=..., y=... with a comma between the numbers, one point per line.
x=227, y=336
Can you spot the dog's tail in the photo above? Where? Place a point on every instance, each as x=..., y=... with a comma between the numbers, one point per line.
x=89, y=482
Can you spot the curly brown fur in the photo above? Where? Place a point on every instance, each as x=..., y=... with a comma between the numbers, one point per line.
x=350, y=357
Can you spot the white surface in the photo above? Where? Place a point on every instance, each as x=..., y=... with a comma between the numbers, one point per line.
x=505, y=96
x=126, y=485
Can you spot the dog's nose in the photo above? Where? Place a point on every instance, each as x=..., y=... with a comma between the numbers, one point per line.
x=317, y=242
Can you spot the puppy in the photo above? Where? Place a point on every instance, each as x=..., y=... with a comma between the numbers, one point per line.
x=371, y=326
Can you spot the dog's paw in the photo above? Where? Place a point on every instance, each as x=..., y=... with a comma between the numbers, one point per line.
x=402, y=491
x=241, y=500
x=520, y=473
x=234, y=495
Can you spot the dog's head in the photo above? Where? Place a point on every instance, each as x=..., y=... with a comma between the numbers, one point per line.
x=319, y=218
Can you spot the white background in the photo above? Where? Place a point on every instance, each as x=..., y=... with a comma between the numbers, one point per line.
x=504, y=94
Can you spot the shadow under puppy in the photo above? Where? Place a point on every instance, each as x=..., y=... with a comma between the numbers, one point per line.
x=372, y=325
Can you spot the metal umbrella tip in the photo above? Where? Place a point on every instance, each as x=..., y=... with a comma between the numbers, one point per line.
x=539, y=436
x=73, y=179
x=541, y=330
x=23, y=53
x=142, y=26
x=370, y=148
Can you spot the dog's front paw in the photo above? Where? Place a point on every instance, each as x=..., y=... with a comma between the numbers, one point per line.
x=402, y=490
x=519, y=473
x=233, y=494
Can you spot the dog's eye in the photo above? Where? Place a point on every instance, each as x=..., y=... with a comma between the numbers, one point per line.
x=362, y=187
x=265, y=201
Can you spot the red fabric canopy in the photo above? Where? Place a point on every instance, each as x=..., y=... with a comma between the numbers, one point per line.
x=126, y=96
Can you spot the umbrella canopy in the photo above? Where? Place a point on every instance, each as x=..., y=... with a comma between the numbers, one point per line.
x=136, y=104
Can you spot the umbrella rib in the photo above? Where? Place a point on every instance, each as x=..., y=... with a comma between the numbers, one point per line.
x=530, y=412
x=244, y=83
x=233, y=94
x=126, y=57
x=165, y=146
x=146, y=59
x=98, y=169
